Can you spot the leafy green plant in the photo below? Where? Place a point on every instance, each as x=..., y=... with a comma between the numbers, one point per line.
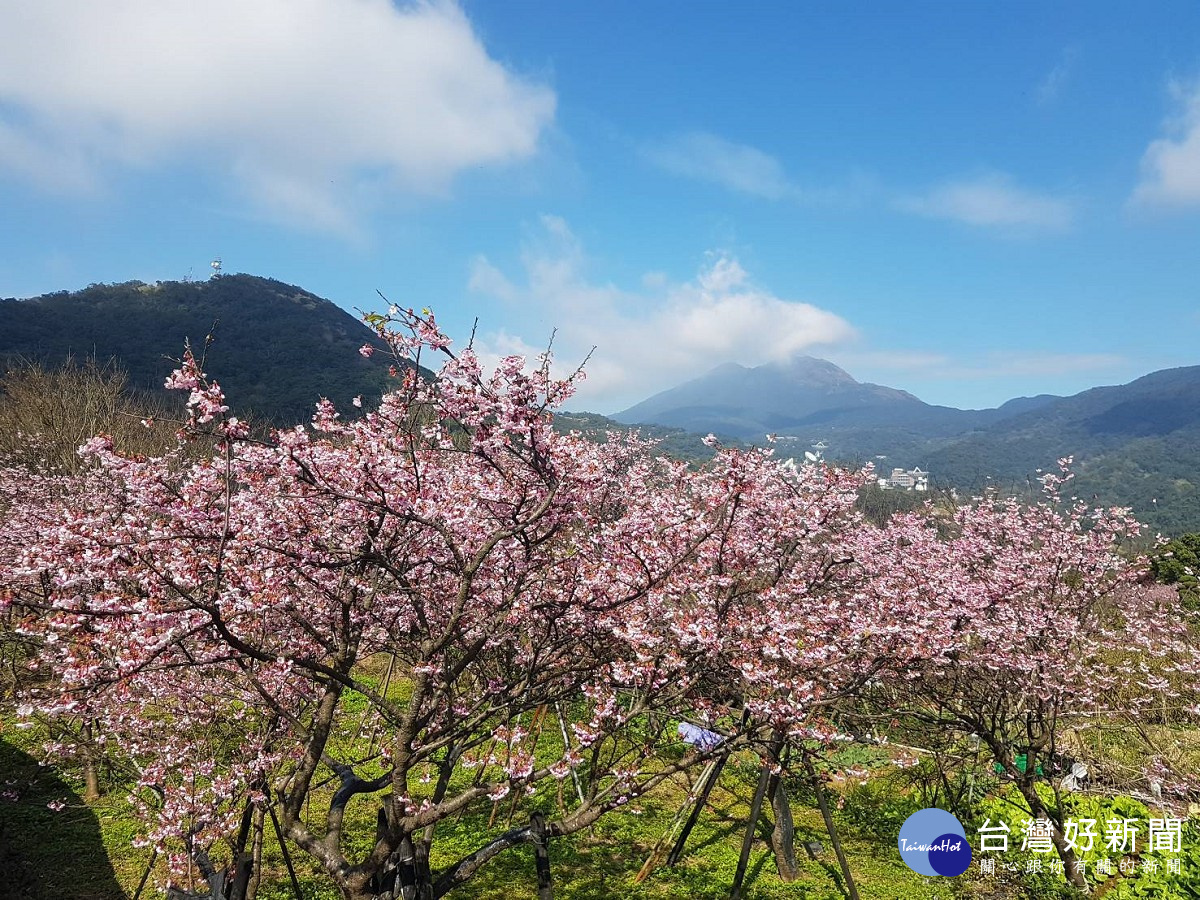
x=879, y=808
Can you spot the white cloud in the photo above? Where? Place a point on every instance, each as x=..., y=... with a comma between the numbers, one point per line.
x=737, y=167
x=1051, y=87
x=991, y=200
x=653, y=337
x=300, y=101
x=487, y=279
x=988, y=200
x=747, y=170
x=1170, y=174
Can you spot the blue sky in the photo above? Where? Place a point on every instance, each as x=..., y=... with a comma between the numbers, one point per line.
x=970, y=201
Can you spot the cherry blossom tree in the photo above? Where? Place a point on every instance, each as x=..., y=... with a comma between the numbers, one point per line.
x=45, y=413
x=446, y=604
x=800, y=608
x=1043, y=629
x=441, y=576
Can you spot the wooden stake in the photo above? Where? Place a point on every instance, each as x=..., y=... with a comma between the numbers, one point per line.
x=145, y=875
x=287, y=857
x=562, y=724
x=535, y=728
x=713, y=774
x=755, y=811
x=669, y=834
x=851, y=890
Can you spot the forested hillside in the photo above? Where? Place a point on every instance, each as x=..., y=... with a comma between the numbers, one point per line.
x=1136, y=444
x=276, y=348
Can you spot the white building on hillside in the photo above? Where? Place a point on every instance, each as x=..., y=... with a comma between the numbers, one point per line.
x=905, y=480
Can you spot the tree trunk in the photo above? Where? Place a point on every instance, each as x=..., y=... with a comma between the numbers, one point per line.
x=91, y=778
x=783, y=835
x=424, y=876
x=1039, y=811
x=541, y=854
x=256, y=854
x=410, y=878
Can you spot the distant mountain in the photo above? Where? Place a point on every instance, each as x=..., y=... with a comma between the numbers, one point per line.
x=1164, y=404
x=277, y=349
x=1024, y=404
x=777, y=397
x=809, y=400
x=1136, y=444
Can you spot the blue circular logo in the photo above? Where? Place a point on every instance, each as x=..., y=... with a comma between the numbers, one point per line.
x=933, y=842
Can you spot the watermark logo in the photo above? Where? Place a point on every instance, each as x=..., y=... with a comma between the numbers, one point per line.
x=933, y=842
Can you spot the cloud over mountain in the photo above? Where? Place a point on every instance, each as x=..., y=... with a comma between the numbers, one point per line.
x=657, y=334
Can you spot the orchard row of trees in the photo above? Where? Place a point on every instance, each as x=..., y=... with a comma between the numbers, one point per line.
x=444, y=603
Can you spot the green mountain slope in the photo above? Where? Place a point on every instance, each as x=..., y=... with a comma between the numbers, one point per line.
x=1136, y=444
x=277, y=349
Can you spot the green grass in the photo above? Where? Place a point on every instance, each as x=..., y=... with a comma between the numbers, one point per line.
x=79, y=851
x=86, y=851
x=601, y=862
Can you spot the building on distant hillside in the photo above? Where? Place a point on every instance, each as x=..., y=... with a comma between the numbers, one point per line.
x=905, y=480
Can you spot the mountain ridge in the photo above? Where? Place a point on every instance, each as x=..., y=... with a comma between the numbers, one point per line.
x=1135, y=444
x=803, y=390
x=276, y=348
x=279, y=348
